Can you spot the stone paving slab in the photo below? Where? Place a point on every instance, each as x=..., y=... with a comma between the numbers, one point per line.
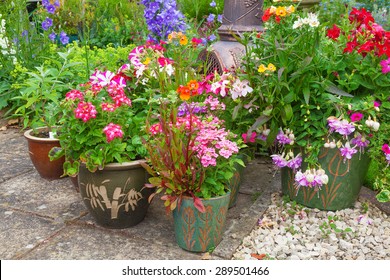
x=21, y=232
x=55, y=199
x=15, y=159
x=82, y=242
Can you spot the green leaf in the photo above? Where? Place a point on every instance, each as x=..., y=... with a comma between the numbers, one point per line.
x=383, y=196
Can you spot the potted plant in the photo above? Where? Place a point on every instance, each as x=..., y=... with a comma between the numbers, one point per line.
x=38, y=108
x=315, y=88
x=191, y=161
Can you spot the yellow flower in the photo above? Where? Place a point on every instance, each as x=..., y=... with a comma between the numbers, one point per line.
x=281, y=11
x=262, y=68
x=183, y=40
x=271, y=67
x=147, y=61
x=170, y=36
x=272, y=10
x=290, y=9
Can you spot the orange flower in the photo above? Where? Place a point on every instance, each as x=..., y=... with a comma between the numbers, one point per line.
x=193, y=85
x=184, y=92
x=183, y=40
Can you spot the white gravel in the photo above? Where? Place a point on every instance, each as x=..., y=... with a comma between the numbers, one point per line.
x=293, y=232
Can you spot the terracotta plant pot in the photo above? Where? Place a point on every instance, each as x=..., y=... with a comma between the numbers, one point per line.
x=200, y=232
x=39, y=154
x=115, y=196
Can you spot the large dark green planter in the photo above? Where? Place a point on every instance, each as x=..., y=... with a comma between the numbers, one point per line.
x=342, y=190
x=115, y=196
x=200, y=232
x=234, y=183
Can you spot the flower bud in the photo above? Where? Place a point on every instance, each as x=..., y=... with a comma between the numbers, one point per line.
x=375, y=126
x=332, y=145
x=324, y=179
x=327, y=145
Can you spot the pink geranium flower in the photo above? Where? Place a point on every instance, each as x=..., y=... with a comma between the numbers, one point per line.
x=385, y=65
x=112, y=131
x=85, y=111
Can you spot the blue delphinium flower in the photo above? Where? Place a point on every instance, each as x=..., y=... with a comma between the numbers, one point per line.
x=47, y=23
x=162, y=18
x=219, y=18
x=64, y=38
x=213, y=4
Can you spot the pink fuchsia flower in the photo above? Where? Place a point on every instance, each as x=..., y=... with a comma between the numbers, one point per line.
x=85, y=111
x=279, y=161
x=377, y=104
x=355, y=117
x=347, y=152
x=360, y=141
x=385, y=65
x=342, y=127
x=295, y=162
x=74, y=94
x=113, y=131
x=284, y=139
x=311, y=178
x=250, y=139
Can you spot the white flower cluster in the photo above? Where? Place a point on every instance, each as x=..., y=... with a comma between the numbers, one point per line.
x=311, y=20
x=5, y=46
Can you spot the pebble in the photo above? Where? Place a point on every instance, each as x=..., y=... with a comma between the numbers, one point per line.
x=299, y=237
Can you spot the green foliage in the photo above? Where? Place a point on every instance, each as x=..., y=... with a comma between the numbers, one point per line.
x=199, y=9
x=42, y=90
x=330, y=226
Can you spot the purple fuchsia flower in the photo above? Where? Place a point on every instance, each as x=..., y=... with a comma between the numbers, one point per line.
x=64, y=39
x=47, y=23
x=347, y=151
x=295, y=162
x=360, y=141
x=85, y=111
x=343, y=127
x=279, y=160
x=284, y=139
x=311, y=178
x=113, y=131
x=385, y=65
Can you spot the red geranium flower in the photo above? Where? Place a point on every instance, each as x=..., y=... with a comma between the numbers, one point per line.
x=334, y=32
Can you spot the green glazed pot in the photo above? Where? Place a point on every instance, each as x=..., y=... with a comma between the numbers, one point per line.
x=345, y=182
x=234, y=183
x=200, y=232
x=115, y=196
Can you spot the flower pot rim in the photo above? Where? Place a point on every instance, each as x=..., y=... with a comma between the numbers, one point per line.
x=120, y=166
x=207, y=199
x=28, y=134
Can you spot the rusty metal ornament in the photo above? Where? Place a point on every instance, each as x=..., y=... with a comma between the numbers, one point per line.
x=238, y=16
